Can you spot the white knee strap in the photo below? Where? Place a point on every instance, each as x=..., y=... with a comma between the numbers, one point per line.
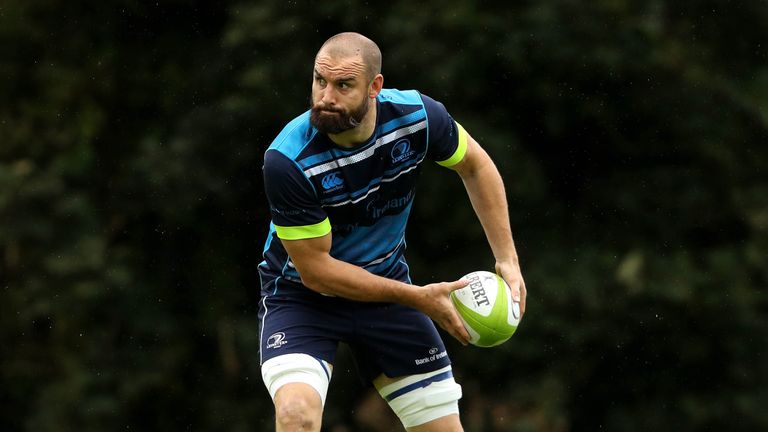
x=418, y=399
x=293, y=368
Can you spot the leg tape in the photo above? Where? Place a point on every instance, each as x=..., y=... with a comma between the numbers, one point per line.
x=296, y=368
x=418, y=399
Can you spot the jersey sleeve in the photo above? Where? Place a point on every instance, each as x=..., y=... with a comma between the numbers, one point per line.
x=447, y=139
x=293, y=203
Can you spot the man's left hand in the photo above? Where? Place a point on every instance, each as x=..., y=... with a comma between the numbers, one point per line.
x=510, y=272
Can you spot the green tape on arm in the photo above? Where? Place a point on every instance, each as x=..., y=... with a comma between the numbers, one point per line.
x=304, y=232
x=461, y=149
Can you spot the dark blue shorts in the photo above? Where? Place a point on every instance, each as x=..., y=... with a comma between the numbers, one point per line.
x=385, y=338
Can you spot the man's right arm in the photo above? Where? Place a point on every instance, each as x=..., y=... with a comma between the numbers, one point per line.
x=325, y=274
x=305, y=231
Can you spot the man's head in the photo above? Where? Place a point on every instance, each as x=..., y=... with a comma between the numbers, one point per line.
x=346, y=80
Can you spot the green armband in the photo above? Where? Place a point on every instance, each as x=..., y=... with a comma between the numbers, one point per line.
x=304, y=232
x=461, y=149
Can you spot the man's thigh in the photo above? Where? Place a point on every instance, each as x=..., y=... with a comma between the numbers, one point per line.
x=396, y=341
x=298, y=326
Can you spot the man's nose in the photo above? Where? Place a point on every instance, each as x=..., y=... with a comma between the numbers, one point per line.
x=329, y=96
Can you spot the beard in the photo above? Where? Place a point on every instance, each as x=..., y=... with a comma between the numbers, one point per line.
x=335, y=120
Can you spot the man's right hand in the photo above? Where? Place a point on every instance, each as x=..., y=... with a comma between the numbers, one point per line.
x=434, y=300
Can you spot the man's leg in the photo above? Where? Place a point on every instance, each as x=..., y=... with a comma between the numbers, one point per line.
x=298, y=384
x=298, y=408
x=426, y=402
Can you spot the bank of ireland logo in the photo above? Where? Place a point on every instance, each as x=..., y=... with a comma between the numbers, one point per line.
x=401, y=151
x=331, y=181
x=276, y=340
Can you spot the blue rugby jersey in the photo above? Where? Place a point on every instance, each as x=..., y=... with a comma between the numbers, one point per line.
x=362, y=195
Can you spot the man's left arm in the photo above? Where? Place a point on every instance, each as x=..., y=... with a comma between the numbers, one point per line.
x=486, y=192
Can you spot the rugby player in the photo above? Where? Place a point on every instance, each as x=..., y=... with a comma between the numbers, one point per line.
x=341, y=180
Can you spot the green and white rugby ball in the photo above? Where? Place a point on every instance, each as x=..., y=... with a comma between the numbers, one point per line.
x=487, y=309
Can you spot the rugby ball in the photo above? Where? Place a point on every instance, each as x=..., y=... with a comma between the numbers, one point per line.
x=486, y=308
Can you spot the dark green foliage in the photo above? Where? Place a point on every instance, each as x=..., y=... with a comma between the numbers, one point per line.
x=632, y=137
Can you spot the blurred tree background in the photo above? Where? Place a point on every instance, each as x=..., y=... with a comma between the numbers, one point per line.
x=631, y=134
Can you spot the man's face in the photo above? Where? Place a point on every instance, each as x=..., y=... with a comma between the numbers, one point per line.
x=340, y=98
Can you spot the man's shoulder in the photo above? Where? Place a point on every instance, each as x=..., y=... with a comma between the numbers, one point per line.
x=410, y=100
x=294, y=137
x=396, y=103
x=401, y=97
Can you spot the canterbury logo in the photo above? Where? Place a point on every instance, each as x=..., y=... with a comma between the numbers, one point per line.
x=331, y=181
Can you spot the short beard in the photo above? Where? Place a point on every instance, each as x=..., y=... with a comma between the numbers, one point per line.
x=332, y=120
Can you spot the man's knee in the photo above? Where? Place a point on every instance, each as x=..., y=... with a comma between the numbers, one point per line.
x=298, y=407
x=298, y=384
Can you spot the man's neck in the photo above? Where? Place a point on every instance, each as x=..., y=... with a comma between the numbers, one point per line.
x=359, y=134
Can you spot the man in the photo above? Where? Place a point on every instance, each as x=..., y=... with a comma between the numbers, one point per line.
x=340, y=181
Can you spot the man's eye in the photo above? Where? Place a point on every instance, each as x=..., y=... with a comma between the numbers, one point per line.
x=321, y=81
x=344, y=85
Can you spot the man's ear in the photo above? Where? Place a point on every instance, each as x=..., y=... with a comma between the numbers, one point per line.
x=376, y=85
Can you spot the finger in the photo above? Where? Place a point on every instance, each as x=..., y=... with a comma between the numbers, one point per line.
x=455, y=285
x=462, y=334
x=459, y=333
x=455, y=327
x=446, y=325
x=515, y=288
x=518, y=294
x=464, y=340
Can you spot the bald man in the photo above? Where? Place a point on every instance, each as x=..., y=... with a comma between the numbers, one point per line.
x=340, y=180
